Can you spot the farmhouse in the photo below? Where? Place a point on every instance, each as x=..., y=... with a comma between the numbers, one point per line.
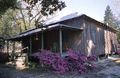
x=78, y=32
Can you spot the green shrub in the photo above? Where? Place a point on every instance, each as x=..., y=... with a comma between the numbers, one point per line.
x=30, y=64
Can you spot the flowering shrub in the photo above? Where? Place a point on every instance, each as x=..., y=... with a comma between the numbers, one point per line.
x=118, y=45
x=93, y=57
x=30, y=64
x=3, y=57
x=118, y=51
x=53, y=61
x=76, y=62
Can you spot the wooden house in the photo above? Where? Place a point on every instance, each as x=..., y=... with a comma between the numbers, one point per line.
x=78, y=33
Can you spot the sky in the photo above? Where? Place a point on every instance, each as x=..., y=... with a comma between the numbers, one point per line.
x=93, y=8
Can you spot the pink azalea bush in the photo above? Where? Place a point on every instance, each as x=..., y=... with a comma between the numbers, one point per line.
x=76, y=62
x=118, y=45
x=92, y=57
x=118, y=50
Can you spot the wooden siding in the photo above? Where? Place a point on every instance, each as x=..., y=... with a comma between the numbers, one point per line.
x=111, y=42
x=36, y=44
x=78, y=22
x=51, y=37
x=92, y=39
x=77, y=39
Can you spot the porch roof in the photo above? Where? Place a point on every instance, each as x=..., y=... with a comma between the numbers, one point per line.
x=51, y=27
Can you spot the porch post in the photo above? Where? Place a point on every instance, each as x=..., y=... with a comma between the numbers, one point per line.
x=42, y=40
x=60, y=34
x=22, y=45
x=30, y=46
x=13, y=46
x=7, y=46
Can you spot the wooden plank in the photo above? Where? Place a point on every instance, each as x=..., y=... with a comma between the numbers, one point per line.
x=30, y=48
x=88, y=37
x=13, y=46
x=7, y=46
x=30, y=44
x=60, y=33
x=84, y=32
x=42, y=40
x=22, y=46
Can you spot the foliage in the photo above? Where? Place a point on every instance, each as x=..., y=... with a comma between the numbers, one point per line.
x=34, y=11
x=47, y=6
x=93, y=57
x=6, y=4
x=8, y=25
x=118, y=49
x=112, y=21
x=26, y=15
x=110, y=18
x=4, y=57
x=30, y=64
x=76, y=62
x=2, y=42
x=118, y=35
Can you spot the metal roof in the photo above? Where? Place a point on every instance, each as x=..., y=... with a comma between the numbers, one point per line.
x=56, y=26
x=60, y=21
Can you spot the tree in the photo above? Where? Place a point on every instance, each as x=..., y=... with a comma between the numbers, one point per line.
x=41, y=8
x=110, y=18
x=33, y=11
x=9, y=27
x=6, y=4
x=116, y=8
x=27, y=15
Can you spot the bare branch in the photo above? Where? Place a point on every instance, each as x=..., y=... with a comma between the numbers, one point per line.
x=23, y=18
x=35, y=16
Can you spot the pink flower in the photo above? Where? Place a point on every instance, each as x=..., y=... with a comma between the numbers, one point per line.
x=75, y=61
x=37, y=54
x=83, y=58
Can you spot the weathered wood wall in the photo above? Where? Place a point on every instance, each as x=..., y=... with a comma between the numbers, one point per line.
x=110, y=42
x=77, y=41
x=92, y=39
x=36, y=44
x=51, y=37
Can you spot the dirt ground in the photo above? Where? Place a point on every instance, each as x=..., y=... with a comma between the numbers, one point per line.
x=105, y=68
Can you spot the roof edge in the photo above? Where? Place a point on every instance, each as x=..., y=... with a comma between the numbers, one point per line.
x=84, y=15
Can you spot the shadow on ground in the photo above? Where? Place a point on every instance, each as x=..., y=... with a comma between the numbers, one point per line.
x=105, y=68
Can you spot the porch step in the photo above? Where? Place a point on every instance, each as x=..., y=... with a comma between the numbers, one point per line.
x=64, y=55
x=20, y=59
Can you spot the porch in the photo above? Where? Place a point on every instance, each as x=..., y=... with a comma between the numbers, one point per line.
x=56, y=38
